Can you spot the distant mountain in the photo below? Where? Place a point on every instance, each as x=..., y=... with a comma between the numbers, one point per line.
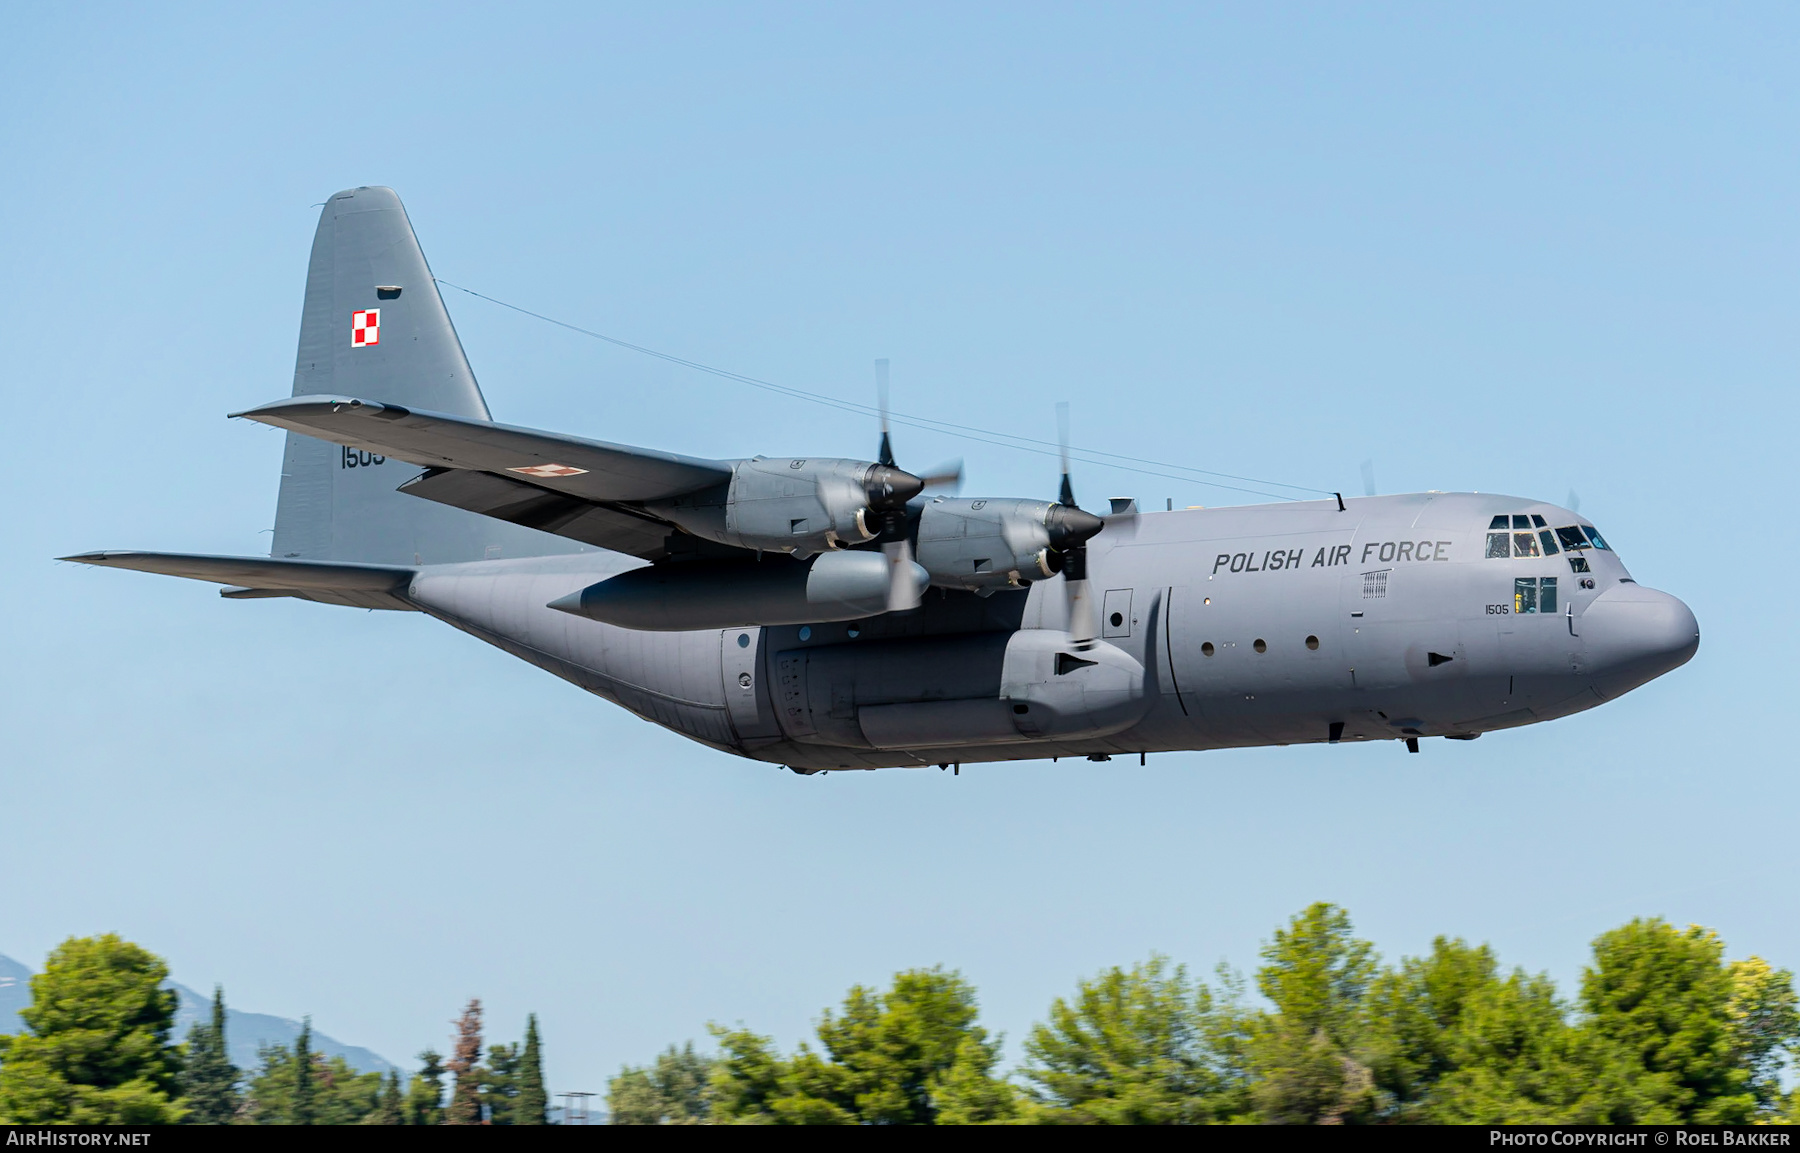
x=245, y=1033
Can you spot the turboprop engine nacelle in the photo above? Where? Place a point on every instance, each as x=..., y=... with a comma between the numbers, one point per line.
x=778, y=590
x=987, y=544
x=801, y=506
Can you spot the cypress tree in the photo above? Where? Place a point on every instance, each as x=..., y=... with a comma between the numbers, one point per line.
x=209, y=1081
x=387, y=1109
x=533, y=1104
x=305, y=1086
x=425, y=1097
x=465, y=1094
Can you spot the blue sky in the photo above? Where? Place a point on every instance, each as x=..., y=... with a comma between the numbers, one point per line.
x=1510, y=248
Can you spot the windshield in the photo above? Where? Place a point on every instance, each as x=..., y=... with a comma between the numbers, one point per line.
x=1573, y=539
x=1594, y=535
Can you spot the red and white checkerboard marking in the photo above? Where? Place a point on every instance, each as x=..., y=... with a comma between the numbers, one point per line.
x=365, y=328
x=550, y=470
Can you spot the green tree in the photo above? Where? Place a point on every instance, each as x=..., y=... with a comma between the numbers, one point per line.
x=1765, y=1025
x=1661, y=997
x=746, y=1080
x=209, y=1081
x=1316, y=972
x=465, y=1064
x=1129, y=1049
x=500, y=1085
x=1304, y=1057
x=1512, y=1059
x=1413, y=1014
x=533, y=1104
x=671, y=1091
x=97, y=1048
x=300, y=1086
x=900, y=1057
x=425, y=1094
x=389, y=1110
x=304, y=1107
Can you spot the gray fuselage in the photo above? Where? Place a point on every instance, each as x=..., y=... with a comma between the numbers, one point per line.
x=1259, y=625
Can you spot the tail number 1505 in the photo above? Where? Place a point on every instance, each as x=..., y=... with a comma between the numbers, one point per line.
x=356, y=458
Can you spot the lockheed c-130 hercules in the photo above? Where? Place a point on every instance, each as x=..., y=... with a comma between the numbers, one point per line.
x=834, y=614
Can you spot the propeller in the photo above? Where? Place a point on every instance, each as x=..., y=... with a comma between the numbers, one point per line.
x=889, y=488
x=1573, y=504
x=1070, y=529
x=1368, y=471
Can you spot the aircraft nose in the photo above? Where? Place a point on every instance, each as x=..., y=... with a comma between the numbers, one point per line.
x=1634, y=635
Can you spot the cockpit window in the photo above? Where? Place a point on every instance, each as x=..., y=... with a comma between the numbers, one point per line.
x=1521, y=536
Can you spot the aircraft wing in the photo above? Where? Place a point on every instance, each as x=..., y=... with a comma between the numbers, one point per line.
x=589, y=470
x=586, y=490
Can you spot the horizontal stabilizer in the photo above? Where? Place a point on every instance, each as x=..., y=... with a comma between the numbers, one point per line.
x=258, y=572
x=589, y=469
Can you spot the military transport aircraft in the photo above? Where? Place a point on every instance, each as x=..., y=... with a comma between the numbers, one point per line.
x=827, y=614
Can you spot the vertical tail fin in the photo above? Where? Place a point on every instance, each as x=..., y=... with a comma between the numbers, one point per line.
x=375, y=328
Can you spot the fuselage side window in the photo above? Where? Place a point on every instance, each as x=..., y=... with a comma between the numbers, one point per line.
x=1549, y=540
x=1499, y=545
x=1573, y=539
x=1524, y=544
x=1547, y=595
x=1524, y=595
x=1599, y=541
x=1579, y=564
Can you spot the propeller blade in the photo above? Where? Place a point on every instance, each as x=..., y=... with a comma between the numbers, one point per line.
x=1062, y=441
x=1368, y=471
x=1084, y=621
x=1122, y=520
x=881, y=399
x=1574, y=502
x=948, y=476
x=1070, y=528
x=904, y=591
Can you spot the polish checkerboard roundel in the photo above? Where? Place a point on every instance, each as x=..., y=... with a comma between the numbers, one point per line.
x=365, y=328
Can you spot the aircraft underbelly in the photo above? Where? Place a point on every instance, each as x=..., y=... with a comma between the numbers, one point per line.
x=672, y=679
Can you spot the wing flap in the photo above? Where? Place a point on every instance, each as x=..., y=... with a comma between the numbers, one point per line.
x=621, y=530
x=589, y=469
